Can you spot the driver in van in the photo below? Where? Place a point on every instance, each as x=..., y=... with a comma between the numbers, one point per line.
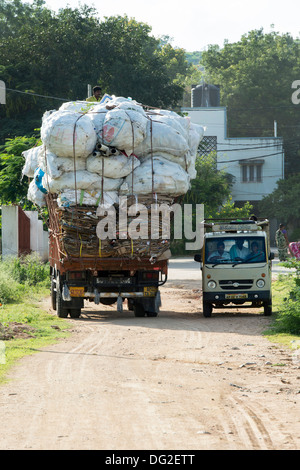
x=220, y=254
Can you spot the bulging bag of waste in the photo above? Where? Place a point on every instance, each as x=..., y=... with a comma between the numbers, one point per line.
x=97, y=116
x=112, y=166
x=55, y=166
x=68, y=134
x=81, y=179
x=35, y=195
x=161, y=137
x=183, y=160
x=195, y=135
x=168, y=178
x=78, y=106
x=31, y=161
x=179, y=123
x=124, y=129
x=69, y=197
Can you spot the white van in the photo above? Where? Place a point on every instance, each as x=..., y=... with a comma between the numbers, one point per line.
x=236, y=264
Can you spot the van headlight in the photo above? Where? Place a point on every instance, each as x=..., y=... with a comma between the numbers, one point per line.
x=211, y=284
x=260, y=283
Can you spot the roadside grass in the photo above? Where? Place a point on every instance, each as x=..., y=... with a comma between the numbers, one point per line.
x=285, y=327
x=25, y=326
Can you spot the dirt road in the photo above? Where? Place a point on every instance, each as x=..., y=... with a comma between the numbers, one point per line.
x=178, y=381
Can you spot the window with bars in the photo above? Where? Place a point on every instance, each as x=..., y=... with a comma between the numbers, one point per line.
x=251, y=171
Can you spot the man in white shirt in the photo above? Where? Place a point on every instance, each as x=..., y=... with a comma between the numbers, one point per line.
x=220, y=254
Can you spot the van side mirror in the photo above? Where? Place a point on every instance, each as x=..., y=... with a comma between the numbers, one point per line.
x=198, y=258
x=271, y=256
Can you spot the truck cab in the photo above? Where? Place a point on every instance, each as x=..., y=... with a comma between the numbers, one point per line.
x=236, y=263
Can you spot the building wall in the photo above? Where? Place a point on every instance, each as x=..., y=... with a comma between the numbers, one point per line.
x=256, y=163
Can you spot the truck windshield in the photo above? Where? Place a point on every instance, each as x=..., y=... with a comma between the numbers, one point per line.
x=229, y=249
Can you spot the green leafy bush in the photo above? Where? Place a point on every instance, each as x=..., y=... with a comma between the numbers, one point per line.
x=18, y=276
x=288, y=320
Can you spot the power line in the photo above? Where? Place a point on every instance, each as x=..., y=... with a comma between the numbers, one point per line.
x=35, y=94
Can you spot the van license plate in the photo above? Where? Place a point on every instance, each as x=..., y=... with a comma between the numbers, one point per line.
x=236, y=296
x=76, y=291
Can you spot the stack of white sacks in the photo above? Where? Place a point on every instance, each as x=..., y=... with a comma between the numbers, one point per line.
x=92, y=153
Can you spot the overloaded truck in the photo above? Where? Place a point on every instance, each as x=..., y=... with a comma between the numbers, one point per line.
x=113, y=272
x=236, y=265
x=94, y=160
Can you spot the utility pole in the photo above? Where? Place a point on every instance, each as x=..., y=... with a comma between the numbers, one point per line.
x=89, y=91
x=2, y=92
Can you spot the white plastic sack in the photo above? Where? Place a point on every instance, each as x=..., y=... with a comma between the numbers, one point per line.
x=112, y=166
x=184, y=160
x=196, y=133
x=97, y=116
x=69, y=197
x=84, y=180
x=178, y=123
x=35, y=195
x=78, y=106
x=61, y=129
x=55, y=166
x=162, y=138
x=169, y=178
x=124, y=129
x=31, y=161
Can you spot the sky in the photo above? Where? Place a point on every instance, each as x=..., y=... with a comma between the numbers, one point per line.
x=194, y=24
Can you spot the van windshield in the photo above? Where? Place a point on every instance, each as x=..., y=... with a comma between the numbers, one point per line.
x=229, y=249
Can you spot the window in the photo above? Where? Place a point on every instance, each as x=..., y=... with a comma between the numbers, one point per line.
x=229, y=249
x=251, y=171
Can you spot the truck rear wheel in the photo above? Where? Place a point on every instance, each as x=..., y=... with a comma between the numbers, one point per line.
x=74, y=312
x=138, y=310
x=61, y=309
x=53, y=293
x=207, y=309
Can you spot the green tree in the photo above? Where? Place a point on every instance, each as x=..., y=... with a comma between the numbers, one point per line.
x=256, y=75
x=47, y=54
x=13, y=188
x=283, y=202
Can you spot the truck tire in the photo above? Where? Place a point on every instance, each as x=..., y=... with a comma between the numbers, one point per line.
x=61, y=310
x=268, y=308
x=138, y=310
x=207, y=309
x=53, y=293
x=74, y=312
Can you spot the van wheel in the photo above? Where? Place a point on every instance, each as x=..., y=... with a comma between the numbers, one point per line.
x=268, y=308
x=207, y=309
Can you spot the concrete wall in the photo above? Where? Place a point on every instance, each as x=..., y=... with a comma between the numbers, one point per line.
x=39, y=242
x=10, y=239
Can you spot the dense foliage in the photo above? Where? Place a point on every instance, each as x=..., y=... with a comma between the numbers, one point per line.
x=256, y=76
x=45, y=54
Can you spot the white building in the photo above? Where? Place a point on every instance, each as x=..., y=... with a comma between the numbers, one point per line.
x=256, y=163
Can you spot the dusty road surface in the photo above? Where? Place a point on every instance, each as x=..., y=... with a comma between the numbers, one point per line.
x=178, y=381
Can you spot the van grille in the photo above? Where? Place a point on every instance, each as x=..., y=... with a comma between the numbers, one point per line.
x=241, y=284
